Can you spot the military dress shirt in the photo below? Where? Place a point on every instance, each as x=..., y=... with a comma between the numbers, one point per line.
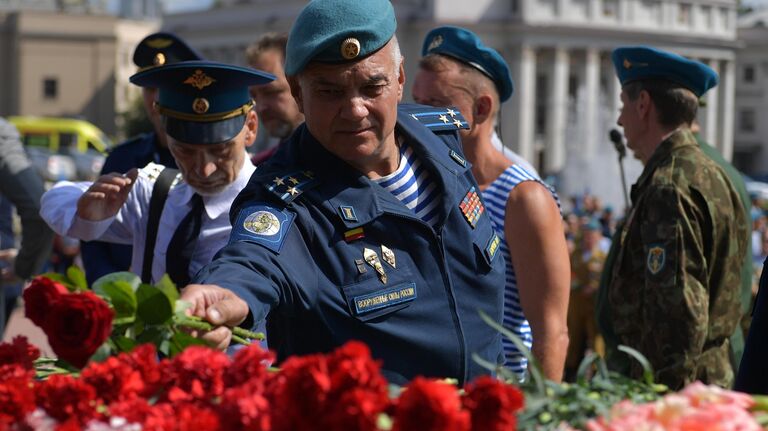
x=674, y=292
x=129, y=226
x=332, y=256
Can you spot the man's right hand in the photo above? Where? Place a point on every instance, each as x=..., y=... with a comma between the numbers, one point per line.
x=106, y=196
x=217, y=305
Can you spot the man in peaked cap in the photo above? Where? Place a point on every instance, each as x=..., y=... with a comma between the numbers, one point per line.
x=459, y=70
x=208, y=119
x=367, y=223
x=673, y=291
x=155, y=50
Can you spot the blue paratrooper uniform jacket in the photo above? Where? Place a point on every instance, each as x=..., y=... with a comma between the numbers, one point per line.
x=300, y=230
x=101, y=258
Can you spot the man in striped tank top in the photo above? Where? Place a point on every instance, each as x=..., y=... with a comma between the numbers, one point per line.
x=458, y=70
x=366, y=224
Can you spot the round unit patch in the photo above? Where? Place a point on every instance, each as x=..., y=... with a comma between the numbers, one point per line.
x=262, y=223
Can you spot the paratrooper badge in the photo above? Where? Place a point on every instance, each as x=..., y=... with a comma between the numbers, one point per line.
x=657, y=257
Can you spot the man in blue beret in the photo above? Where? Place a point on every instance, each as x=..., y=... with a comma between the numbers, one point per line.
x=155, y=50
x=459, y=70
x=673, y=285
x=367, y=223
x=176, y=220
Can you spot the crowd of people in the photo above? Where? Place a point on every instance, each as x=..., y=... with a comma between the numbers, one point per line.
x=396, y=224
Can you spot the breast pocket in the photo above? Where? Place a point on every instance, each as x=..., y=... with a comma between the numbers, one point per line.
x=487, y=247
x=370, y=299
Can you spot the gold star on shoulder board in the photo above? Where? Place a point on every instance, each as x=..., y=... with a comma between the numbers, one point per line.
x=443, y=118
x=457, y=123
x=293, y=180
x=451, y=112
x=292, y=191
x=278, y=181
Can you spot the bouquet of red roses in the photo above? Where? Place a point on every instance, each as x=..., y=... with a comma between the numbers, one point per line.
x=118, y=314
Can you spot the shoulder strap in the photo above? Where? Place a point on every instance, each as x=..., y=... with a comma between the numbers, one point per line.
x=159, y=195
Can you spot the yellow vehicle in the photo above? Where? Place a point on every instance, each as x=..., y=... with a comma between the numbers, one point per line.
x=63, y=148
x=61, y=134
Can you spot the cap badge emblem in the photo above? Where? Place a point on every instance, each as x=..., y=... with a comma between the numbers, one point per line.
x=200, y=105
x=159, y=43
x=436, y=41
x=159, y=59
x=350, y=48
x=199, y=80
x=627, y=64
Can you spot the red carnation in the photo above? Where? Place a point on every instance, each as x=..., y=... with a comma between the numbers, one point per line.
x=492, y=404
x=39, y=298
x=157, y=417
x=17, y=397
x=64, y=397
x=197, y=373
x=113, y=379
x=248, y=363
x=143, y=358
x=77, y=324
x=300, y=393
x=430, y=405
x=246, y=407
x=19, y=351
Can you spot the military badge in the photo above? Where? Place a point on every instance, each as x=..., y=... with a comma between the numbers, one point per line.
x=262, y=224
x=371, y=258
x=656, y=259
x=493, y=247
x=354, y=234
x=360, y=264
x=159, y=59
x=382, y=299
x=199, y=80
x=348, y=213
x=159, y=43
x=435, y=42
x=388, y=255
x=472, y=207
x=200, y=105
x=350, y=48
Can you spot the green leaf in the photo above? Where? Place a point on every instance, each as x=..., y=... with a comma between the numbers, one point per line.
x=155, y=335
x=181, y=340
x=124, y=344
x=154, y=307
x=127, y=277
x=168, y=288
x=122, y=297
x=59, y=278
x=77, y=278
x=647, y=369
x=102, y=353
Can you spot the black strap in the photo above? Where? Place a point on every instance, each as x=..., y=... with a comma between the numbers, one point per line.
x=156, y=203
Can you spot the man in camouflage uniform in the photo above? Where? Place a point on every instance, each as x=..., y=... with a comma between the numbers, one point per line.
x=673, y=291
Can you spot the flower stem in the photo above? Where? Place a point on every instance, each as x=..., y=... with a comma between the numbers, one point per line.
x=239, y=334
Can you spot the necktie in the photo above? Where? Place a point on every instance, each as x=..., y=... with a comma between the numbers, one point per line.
x=183, y=243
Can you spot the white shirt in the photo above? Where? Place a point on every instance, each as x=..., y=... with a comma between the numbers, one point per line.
x=129, y=225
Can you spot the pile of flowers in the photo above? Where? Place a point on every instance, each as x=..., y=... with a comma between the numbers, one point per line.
x=204, y=389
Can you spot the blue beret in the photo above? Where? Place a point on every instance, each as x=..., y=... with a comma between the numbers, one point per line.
x=634, y=63
x=466, y=47
x=162, y=48
x=202, y=102
x=338, y=31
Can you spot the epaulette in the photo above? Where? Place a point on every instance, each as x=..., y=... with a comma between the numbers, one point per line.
x=436, y=119
x=152, y=172
x=289, y=187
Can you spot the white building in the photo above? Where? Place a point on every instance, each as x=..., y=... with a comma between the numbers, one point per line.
x=751, y=131
x=566, y=96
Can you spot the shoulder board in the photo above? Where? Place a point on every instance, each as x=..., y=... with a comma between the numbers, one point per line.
x=288, y=187
x=153, y=170
x=436, y=119
x=263, y=224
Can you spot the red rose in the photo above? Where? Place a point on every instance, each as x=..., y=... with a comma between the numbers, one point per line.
x=76, y=325
x=492, y=404
x=19, y=351
x=40, y=296
x=430, y=405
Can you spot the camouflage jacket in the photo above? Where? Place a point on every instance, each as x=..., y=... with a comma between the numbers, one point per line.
x=674, y=289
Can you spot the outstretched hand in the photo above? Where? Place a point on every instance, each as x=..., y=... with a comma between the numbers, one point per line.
x=106, y=196
x=219, y=306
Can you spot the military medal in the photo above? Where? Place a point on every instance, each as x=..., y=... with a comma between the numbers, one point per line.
x=372, y=259
x=360, y=263
x=388, y=255
x=472, y=207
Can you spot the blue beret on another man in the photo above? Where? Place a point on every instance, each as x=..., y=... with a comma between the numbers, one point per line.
x=634, y=63
x=338, y=31
x=466, y=46
x=202, y=102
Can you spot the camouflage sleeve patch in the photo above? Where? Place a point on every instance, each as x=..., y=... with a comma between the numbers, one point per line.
x=263, y=224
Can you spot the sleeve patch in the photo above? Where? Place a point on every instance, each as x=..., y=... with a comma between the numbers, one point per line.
x=262, y=224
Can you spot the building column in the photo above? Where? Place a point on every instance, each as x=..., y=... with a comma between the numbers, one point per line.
x=711, y=111
x=524, y=106
x=592, y=99
x=557, y=112
x=728, y=87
